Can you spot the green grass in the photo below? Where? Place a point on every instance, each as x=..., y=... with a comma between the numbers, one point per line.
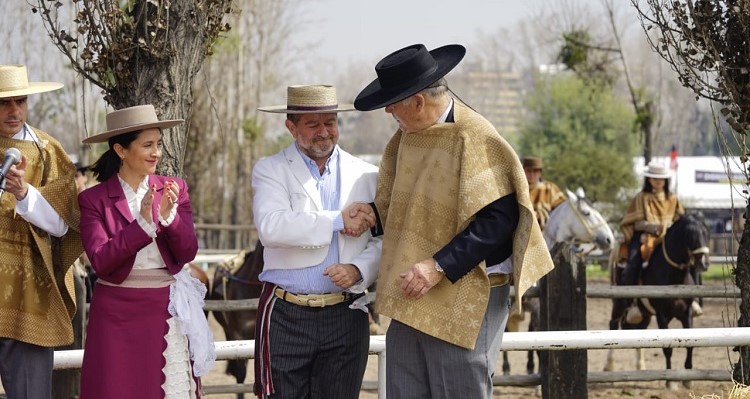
x=716, y=272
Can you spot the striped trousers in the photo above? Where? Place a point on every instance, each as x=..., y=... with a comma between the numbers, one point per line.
x=318, y=353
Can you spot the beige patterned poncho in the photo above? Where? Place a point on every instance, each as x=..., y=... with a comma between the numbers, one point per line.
x=652, y=208
x=430, y=186
x=37, y=297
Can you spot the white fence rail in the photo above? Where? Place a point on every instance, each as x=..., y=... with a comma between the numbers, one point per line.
x=519, y=341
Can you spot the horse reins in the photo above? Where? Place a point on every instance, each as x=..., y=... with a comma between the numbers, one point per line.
x=702, y=250
x=589, y=229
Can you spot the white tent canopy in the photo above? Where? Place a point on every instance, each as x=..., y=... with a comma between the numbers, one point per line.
x=705, y=182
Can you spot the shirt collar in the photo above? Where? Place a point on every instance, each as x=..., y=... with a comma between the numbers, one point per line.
x=142, y=186
x=314, y=166
x=447, y=111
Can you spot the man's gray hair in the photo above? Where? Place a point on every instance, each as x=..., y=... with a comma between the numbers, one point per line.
x=437, y=89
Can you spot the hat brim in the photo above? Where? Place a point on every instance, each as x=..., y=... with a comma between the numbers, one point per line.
x=32, y=88
x=101, y=137
x=373, y=96
x=282, y=109
x=657, y=176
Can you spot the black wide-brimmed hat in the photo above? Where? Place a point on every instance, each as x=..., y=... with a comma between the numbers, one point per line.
x=81, y=167
x=406, y=72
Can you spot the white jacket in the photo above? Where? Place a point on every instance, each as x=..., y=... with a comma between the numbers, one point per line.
x=288, y=213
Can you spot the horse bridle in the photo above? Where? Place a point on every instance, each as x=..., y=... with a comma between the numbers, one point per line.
x=589, y=229
x=228, y=273
x=702, y=250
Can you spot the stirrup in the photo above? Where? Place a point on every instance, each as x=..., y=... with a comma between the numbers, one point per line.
x=697, y=310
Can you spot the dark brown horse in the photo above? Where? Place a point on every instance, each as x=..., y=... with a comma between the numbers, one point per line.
x=238, y=279
x=677, y=260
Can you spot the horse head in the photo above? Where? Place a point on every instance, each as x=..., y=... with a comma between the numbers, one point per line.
x=576, y=220
x=686, y=244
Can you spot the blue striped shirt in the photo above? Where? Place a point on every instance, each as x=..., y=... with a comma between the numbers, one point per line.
x=310, y=280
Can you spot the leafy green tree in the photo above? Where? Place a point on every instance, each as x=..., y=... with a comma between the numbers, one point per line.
x=584, y=133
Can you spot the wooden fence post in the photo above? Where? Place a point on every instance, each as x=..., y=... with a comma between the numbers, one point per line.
x=562, y=297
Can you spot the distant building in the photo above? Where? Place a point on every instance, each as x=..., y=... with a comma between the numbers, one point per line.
x=496, y=94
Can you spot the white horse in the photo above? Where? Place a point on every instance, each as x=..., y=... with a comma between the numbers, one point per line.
x=574, y=221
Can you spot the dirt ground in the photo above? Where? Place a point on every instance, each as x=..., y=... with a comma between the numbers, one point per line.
x=717, y=313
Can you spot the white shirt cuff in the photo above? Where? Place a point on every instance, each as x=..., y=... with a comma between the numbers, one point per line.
x=170, y=218
x=35, y=209
x=149, y=228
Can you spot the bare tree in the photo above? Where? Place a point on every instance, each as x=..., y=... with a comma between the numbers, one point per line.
x=705, y=43
x=140, y=52
x=51, y=111
x=227, y=134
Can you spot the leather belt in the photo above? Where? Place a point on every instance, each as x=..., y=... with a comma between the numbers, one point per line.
x=498, y=280
x=315, y=300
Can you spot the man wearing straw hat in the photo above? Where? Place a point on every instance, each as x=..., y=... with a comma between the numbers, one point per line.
x=454, y=203
x=312, y=334
x=39, y=241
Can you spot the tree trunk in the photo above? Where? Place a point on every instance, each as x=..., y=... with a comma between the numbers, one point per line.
x=742, y=279
x=164, y=77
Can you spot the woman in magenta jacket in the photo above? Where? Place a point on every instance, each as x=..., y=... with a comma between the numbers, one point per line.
x=145, y=323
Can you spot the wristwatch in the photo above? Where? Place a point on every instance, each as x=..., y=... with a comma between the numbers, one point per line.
x=438, y=268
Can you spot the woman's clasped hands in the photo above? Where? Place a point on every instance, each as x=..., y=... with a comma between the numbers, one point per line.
x=167, y=203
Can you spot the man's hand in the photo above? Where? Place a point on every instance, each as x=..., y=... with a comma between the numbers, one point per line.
x=420, y=278
x=344, y=275
x=14, y=179
x=358, y=217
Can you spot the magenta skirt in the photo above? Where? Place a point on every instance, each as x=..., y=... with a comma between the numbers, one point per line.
x=123, y=356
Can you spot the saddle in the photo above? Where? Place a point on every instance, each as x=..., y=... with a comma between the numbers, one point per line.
x=226, y=271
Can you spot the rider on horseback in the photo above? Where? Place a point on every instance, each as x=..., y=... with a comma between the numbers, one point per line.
x=649, y=215
x=545, y=195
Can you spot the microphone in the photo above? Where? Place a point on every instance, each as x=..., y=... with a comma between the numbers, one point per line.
x=12, y=157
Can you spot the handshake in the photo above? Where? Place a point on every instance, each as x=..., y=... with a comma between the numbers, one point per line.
x=358, y=218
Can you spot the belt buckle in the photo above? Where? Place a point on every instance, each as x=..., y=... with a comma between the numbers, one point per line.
x=316, y=303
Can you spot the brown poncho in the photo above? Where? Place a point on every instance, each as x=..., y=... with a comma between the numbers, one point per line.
x=545, y=196
x=653, y=208
x=38, y=297
x=430, y=185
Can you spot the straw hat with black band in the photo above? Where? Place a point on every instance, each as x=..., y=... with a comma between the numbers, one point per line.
x=406, y=72
x=309, y=99
x=14, y=82
x=132, y=119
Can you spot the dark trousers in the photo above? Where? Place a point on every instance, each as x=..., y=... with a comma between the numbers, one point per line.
x=318, y=353
x=632, y=271
x=26, y=369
